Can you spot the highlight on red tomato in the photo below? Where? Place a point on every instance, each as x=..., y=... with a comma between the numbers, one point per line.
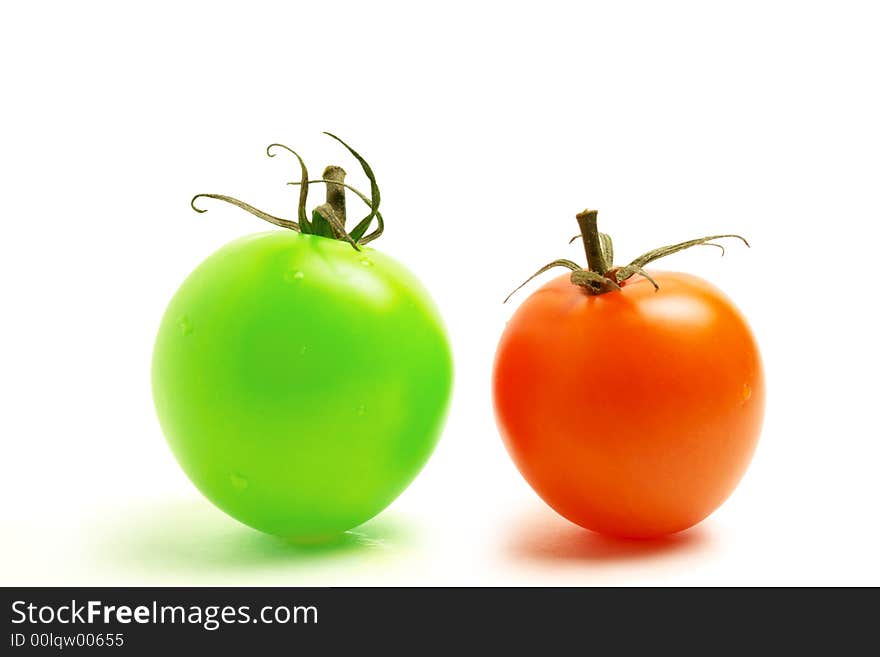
x=630, y=400
x=301, y=377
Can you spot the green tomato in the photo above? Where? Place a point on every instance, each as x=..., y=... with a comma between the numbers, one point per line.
x=301, y=384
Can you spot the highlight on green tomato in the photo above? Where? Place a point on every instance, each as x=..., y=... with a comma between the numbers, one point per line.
x=301, y=378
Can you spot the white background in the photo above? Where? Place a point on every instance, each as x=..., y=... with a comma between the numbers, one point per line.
x=489, y=126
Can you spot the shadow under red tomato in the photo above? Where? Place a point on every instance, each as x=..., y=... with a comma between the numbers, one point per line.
x=546, y=537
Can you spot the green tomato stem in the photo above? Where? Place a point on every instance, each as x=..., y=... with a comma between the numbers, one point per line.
x=335, y=190
x=328, y=219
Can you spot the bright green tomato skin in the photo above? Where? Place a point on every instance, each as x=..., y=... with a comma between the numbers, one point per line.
x=301, y=384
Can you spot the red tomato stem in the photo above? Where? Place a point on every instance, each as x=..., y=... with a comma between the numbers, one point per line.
x=601, y=276
x=588, y=222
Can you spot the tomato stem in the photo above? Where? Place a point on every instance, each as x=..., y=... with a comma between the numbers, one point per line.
x=328, y=219
x=601, y=276
x=588, y=222
x=335, y=190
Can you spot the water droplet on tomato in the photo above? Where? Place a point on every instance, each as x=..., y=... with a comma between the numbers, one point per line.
x=238, y=482
x=303, y=350
x=293, y=275
x=185, y=325
x=366, y=262
x=362, y=410
x=746, y=392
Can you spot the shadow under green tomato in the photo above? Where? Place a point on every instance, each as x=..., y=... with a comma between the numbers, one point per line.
x=196, y=540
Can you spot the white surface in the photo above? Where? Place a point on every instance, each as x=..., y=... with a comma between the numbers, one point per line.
x=489, y=127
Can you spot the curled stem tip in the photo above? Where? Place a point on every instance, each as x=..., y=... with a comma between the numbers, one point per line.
x=272, y=219
x=277, y=145
x=192, y=203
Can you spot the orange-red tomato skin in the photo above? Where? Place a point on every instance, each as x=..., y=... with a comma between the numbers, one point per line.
x=633, y=413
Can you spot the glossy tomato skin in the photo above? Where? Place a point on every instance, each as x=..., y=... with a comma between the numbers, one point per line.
x=632, y=413
x=300, y=384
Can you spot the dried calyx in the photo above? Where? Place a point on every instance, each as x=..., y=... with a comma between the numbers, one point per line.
x=328, y=219
x=601, y=275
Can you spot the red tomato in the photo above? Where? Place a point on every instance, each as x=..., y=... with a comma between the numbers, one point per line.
x=633, y=413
